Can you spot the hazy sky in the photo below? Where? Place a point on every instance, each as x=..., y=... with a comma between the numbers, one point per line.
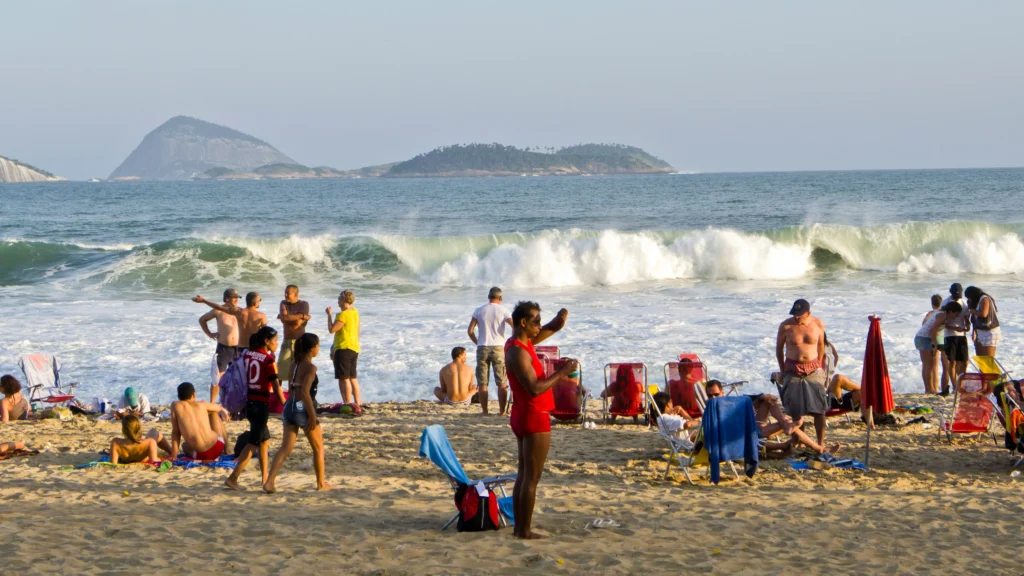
x=712, y=86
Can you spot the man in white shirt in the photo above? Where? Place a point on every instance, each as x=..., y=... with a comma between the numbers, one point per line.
x=491, y=319
x=955, y=352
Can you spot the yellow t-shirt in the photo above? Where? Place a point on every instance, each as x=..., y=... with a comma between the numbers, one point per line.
x=348, y=337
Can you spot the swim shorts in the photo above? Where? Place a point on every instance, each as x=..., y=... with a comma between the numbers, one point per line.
x=345, y=361
x=956, y=348
x=846, y=403
x=525, y=422
x=804, y=394
x=989, y=337
x=285, y=360
x=257, y=413
x=212, y=453
x=225, y=354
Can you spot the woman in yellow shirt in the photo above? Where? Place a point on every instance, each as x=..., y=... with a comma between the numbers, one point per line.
x=345, y=350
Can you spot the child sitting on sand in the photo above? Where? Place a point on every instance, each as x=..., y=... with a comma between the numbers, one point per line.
x=133, y=447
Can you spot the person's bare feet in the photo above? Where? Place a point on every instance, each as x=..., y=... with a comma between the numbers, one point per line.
x=834, y=450
x=326, y=486
x=233, y=484
x=269, y=488
x=531, y=536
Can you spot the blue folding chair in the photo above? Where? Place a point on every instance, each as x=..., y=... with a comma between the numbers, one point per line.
x=434, y=446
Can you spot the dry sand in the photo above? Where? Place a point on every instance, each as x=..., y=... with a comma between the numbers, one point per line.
x=926, y=507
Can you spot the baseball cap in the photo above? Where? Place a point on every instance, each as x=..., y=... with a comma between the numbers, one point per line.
x=800, y=307
x=131, y=397
x=231, y=293
x=956, y=290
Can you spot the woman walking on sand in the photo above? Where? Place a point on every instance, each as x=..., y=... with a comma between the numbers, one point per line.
x=928, y=341
x=987, y=334
x=300, y=412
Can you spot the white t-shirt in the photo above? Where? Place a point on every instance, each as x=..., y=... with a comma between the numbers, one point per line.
x=963, y=319
x=490, y=319
x=143, y=403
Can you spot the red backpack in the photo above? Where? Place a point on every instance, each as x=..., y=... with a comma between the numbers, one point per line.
x=478, y=508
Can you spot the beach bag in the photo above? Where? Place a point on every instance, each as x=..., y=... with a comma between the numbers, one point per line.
x=478, y=508
x=234, y=387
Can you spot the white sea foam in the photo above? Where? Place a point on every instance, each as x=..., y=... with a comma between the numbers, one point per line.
x=555, y=259
x=978, y=254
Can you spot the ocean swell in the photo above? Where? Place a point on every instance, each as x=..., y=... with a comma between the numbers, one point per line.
x=550, y=258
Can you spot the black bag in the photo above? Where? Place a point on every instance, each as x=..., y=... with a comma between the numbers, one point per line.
x=476, y=513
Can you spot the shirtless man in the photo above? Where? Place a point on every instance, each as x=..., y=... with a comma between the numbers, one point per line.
x=294, y=315
x=456, y=381
x=226, y=336
x=250, y=319
x=199, y=424
x=800, y=351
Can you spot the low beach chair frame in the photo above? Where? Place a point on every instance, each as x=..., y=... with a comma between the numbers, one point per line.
x=59, y=394
x=581, y=406
x=946, y=421
x=698, y=387
x=493, y=483
x=684, y=452
x=606, y=399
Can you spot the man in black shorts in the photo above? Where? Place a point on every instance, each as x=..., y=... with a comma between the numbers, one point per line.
x=228, y=346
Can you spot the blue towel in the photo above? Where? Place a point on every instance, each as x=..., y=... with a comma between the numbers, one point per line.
x=505, y=505
x=730, y=433
x=841, y=463
x=434, y=446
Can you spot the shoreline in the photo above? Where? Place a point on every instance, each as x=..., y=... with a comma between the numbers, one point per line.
x=386, y=515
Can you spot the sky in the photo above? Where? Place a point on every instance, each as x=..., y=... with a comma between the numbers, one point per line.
x=707, y=86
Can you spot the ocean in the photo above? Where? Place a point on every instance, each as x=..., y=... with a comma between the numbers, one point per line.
x=648, y=267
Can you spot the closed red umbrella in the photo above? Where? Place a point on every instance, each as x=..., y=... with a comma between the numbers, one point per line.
x=875, y=388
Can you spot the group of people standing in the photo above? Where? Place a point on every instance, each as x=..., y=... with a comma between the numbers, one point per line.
x=942, y=338
x=243, y=332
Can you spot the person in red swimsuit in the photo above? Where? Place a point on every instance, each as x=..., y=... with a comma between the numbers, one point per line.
x=532, y=401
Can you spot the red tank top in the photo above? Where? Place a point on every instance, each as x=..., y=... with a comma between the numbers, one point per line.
x=521, y=398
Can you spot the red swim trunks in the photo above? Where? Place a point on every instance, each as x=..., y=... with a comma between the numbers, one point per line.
x=213, y=453
x=526, y=422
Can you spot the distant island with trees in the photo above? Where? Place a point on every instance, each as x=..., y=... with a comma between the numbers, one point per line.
x=478, y=160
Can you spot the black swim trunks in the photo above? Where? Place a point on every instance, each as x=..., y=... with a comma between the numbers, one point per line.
x=225, y=354
x=845, y=403
x=956, y=348
x=257, y=413
x=345, y=361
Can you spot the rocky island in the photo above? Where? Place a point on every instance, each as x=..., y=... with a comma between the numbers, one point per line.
x=185, y=147
x=499, y=160
x=14, y=171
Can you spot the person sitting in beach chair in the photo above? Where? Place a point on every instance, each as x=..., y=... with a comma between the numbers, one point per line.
x=133, y=447
x=674, y=419
x=624, y=395
x=456, y=378
x=570, y=395
x=14, y=405
x=765, y=404
x=844, y=393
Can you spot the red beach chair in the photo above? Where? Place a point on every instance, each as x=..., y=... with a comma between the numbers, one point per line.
x=684, y=382
x=570, y=405
x=42, y=376
x=972, y=411
x=624, y=386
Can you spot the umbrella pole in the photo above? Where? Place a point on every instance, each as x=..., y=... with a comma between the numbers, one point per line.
x=867, y=445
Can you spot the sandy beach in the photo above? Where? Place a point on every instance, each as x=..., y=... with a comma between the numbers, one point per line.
x=925, y=507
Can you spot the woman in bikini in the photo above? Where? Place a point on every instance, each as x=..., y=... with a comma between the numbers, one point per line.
x=133, y=447
x=14, y=405
x=300, y=412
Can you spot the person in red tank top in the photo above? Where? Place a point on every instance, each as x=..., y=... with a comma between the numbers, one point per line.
x=532, y=401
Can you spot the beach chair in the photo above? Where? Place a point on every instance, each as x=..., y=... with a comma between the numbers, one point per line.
x=1007, y=400
x=624, y=387
x=42, y=378
x=434, y=446
x=988, y=365
x=684, y=382
x=570, y=405
x=972, y=410
x=683, y=451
